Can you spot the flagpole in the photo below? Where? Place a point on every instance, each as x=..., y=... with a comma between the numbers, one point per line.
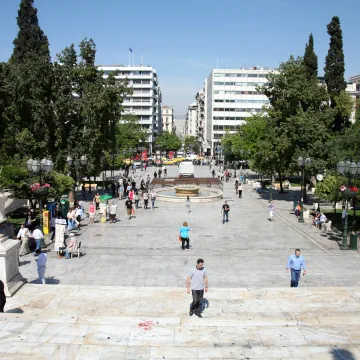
x=133, y=58
x=142, y=57
x=129, y=57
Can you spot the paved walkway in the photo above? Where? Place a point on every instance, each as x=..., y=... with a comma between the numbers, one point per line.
x=106, y=323
x=249, y=251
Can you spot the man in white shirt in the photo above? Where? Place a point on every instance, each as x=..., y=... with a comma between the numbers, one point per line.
x=41, y=265
x=37, y=235
x=23, y=236
x=323, y=219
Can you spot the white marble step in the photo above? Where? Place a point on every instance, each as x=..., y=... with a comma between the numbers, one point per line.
x=83, y=322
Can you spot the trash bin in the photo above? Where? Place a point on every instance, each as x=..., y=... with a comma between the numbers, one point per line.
x=295, y=202
x=64, y=207
x=353, y=241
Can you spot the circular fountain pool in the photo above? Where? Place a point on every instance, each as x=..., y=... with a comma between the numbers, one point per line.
x=204, y=194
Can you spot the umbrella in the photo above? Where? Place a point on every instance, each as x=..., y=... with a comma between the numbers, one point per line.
x=105, y=198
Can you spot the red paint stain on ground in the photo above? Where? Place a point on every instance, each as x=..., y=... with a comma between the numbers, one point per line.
x=146, y=325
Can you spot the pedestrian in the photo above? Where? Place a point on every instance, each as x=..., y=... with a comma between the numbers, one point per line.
x=213, y=173
x=23, y=236
x=137, y=199
x=146, y=199
x=159, y=173
x=225, y=212
x=52, y=227
x=83, y=192
x=97, y=200
x=153, y=198
x=188, y=204
x=113, y=189
x=197, y=281
x=295, y=263
x=165, y=171
x=2, y=297
x=155, y=174
x=71, y=246
x=343, y=216
x=236, y=186
x=134, y=168
x=240, y=189
x=113, y=209
x=271, y=209
x=121, y=191
x=129, y=208
x=184, y=235
x=41, y=265
x=38, y=236
x=92, y=212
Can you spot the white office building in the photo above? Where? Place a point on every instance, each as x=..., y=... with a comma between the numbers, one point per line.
x=145, y=102
x=168, y=121
x=353, y=89
x=230, y=98
x=191, y=120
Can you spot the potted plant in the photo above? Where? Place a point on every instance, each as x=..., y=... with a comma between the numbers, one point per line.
x=40, y=191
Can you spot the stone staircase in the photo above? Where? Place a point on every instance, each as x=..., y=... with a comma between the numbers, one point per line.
x=88, y=322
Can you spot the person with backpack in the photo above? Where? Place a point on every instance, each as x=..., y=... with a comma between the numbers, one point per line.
x=92, y=212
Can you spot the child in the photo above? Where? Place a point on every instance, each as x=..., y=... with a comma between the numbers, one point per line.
x=271, y=208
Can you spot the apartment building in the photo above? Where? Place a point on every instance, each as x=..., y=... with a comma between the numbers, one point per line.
x=230, y=98
x=168, y=121
x=191, y=120
x=145, y=102
x=200, y=118
x=353, y=89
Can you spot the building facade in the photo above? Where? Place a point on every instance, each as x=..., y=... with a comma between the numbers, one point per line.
x=145, y=101
x=168, y=121
x=200, y=119
x=231, y=97
x=353, y=89
x=191, y=120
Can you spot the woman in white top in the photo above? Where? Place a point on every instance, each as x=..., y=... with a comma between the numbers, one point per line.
x=113, y=209
x=188, y=205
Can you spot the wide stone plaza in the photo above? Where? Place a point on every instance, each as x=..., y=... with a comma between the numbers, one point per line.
x=125, y=297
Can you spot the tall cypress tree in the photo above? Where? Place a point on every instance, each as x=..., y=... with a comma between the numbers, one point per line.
x=310, y=59
x=334, y=64
x=31, y=40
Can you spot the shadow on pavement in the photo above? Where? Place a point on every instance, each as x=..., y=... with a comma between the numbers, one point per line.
x=342, y=354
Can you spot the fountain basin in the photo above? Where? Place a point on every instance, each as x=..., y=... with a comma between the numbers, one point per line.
x=205, y=194
x=187, y=190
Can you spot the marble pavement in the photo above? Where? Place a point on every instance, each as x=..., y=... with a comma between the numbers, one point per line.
x=125, y=297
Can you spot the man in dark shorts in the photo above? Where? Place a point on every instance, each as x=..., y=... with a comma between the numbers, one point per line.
x=128, y=204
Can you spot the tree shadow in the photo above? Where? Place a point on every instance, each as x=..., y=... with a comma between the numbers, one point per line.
x=342, y=354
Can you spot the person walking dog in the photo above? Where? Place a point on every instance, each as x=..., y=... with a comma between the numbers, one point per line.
x=197, y=281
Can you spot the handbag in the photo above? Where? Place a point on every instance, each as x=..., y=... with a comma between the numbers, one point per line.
x=179, y=238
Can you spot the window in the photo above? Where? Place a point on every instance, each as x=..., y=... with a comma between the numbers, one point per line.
x=241, y=75
x=145, y=82
x=218, y=83
x=228, y=75
x=216, y=74
x=167, y=111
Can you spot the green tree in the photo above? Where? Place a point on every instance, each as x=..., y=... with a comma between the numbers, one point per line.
x=192, y=143
x=31, y=40
x=297, y=121
x=335, y=69
x=168, y=142
x=310, y=59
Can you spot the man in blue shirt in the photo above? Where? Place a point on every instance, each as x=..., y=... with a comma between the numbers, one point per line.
x=295, y=263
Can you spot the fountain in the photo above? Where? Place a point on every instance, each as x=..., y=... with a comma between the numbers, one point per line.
x=187, y=190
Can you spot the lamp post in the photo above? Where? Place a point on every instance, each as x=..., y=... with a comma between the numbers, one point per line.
x=347, y=168
x=83, y=162
x=37, y=167
x=302, y=163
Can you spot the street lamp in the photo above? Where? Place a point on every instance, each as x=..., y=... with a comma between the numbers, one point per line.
x=302, y=163
x=347, y=168
x=37, y=167
x=83, y=162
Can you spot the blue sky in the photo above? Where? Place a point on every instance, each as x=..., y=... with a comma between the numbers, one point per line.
x=182, y=39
